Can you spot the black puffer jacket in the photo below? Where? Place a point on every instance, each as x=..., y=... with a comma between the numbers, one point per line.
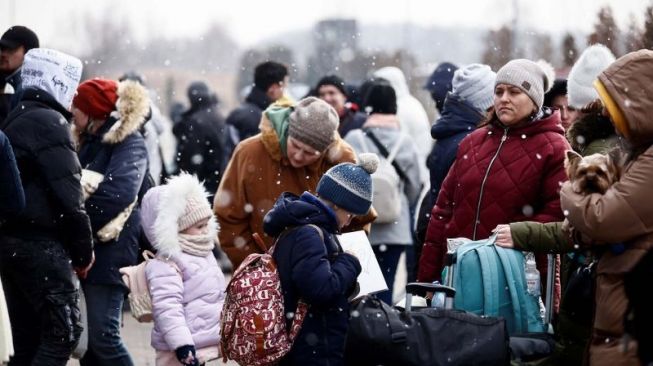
x=247, y=117
x=202, y=147
x=50, y=172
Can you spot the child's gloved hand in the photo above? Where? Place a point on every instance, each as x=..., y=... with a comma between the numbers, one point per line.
x=186, y=355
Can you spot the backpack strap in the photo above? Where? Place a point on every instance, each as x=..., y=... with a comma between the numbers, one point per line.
x=516, y=285
x=167, y=261
x=387, y=155
x=287, y=231
x=490, y=274
x=395, y=148
x=302, y=306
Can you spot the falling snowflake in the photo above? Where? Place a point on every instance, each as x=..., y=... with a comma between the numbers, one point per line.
x=239, y=242
x=197, y=159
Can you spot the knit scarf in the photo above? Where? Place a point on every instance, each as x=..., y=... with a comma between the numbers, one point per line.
x=197, y=245
x=279, y=117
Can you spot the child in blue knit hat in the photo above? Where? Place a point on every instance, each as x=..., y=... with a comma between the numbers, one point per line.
x=311, y=263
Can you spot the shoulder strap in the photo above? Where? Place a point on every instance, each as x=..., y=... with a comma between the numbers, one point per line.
x=287, y=231
x=490, y=275
x=319, y=230
x=167, y=261
x=395, y=149
x=515, y=280
x=387, y=155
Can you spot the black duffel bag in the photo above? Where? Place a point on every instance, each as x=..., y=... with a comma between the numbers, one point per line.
x=382, y=335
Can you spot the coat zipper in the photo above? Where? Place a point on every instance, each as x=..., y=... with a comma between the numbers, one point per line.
x=487, y=173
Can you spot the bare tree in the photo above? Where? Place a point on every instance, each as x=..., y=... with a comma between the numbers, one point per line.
x=111, y=44
x=606, y=31
x=647, y=34
x=633, y=36
x=569, y=50
x=543, y=48
x=248, y=61
x=499, y=44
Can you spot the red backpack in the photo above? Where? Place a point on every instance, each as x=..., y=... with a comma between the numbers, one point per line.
x=253, y=317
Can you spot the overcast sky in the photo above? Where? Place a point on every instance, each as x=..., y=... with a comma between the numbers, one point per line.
x=249, y=22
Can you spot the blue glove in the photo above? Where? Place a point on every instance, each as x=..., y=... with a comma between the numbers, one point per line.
x=186, y=355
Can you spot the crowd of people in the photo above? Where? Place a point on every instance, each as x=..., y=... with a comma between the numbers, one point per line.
x=86, y=188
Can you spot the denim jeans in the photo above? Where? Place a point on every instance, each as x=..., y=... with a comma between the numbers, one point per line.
x=42, y=301
x=388, y=261
x=104, y=307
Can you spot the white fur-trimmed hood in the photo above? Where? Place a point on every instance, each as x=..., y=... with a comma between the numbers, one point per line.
x=163, y=206
x=132, y=108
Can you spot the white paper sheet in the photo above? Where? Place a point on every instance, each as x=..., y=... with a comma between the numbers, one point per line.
x=371, y=278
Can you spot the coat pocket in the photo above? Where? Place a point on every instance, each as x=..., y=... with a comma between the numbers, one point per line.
x=63, y=313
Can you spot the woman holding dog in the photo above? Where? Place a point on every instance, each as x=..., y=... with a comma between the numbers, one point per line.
x=591, y=133
x=624, y=214
x=510, y=169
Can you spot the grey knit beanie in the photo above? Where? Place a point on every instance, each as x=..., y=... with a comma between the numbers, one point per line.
x=314, y=123
x=474, y=83
x=532, y=78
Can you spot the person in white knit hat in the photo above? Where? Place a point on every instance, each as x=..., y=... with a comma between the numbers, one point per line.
x=464, y=108
x=591, y=62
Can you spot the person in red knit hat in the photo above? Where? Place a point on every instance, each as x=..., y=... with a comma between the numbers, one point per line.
x=108, y=116
x=97, y=98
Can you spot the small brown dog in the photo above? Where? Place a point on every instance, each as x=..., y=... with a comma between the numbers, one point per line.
x=594, y=173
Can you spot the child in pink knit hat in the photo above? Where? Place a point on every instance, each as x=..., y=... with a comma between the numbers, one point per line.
x=185, y=281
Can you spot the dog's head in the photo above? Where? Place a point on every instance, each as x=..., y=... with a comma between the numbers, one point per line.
x=594, y=173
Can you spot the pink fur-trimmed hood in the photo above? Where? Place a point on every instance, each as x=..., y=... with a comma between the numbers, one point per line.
x=162, y=207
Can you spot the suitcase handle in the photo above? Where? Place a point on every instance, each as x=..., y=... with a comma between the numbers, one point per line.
x=421, y=288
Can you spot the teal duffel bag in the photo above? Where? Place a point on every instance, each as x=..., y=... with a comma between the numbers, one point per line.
x=490, y=280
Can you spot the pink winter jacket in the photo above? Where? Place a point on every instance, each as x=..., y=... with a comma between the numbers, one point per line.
x=186, y=307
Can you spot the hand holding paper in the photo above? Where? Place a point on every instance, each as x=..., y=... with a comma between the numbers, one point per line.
x=371, y=278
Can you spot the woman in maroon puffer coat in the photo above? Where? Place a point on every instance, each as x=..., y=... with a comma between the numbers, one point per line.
x=510, y=169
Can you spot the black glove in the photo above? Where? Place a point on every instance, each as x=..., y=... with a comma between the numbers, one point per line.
x=186, y=355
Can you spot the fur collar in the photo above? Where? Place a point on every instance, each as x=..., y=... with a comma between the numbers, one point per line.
x=270, y=140
x=133, y=106
x=171, y=206
x=588, y=128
